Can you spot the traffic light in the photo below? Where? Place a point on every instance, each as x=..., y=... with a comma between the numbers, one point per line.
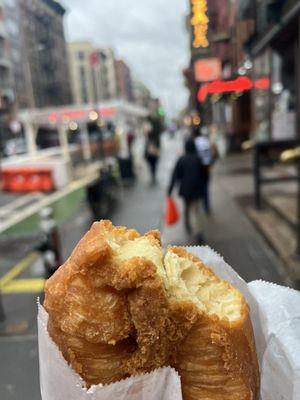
x=161, y=112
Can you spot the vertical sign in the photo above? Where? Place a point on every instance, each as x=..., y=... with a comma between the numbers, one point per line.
x=199, y=22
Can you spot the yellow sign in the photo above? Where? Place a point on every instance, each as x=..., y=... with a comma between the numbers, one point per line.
x=199, y=21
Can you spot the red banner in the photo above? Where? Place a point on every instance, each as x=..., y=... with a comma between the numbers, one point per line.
x=237, y=85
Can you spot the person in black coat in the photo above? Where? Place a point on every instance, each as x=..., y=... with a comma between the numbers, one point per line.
x=191, y=177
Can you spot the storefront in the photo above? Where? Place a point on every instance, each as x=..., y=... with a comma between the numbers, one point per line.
x=276, y=56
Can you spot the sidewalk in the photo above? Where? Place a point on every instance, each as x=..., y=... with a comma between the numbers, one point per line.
x=228, y=230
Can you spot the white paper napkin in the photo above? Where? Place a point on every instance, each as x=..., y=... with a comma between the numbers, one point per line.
x=275, y=314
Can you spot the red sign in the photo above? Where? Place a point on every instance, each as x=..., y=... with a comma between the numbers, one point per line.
x=207, y=69
x=237, y=85
x=78, y=114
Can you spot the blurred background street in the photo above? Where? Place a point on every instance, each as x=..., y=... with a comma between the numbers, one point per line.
x=104, y=121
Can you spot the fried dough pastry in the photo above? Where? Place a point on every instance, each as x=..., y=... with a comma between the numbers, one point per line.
x=217, y=359
x=107, y=305
x=118, y=307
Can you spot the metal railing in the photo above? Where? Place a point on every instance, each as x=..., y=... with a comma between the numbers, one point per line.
x=268, y=154
x=272, y=153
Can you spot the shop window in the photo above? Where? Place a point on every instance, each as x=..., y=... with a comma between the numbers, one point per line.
x=283, y=112
x=262, y=101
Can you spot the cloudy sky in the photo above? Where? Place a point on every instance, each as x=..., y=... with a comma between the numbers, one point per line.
x=148, y=34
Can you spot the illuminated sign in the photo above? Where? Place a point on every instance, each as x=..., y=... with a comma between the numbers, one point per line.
x=77, y=115
x=207, y=69
x=199, y=22
x=263, y=84
x=237, y=85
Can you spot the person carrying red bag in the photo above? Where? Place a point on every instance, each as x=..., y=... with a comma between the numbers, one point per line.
x=191, y=176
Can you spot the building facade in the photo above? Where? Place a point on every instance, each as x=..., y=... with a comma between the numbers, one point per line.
x=96, y=76
x=142, y=95
x=124, y=81
x=229, y=113
x=80, y=56
x=45, y=56
x=93, y=73
x=274, y=50
x=6, y=60
x=108, y=74
x=6, y=81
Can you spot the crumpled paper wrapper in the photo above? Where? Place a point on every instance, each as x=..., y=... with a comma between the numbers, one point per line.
x=275, y=313
x=59, y=382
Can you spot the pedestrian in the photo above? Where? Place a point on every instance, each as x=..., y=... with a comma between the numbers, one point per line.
x=207, y=154
x=152, y=153
x=191, y=177
x=130, y=142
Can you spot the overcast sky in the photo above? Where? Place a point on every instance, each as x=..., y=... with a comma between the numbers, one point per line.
x=149, y=35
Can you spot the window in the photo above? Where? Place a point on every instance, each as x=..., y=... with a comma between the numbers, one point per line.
x=81, y=55
x=82, y=74
x=2, y=48
x=83, y=84
x=16, y=56
x=12, y=27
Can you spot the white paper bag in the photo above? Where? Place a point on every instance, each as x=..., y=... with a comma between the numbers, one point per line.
x=275, y=314
x=279, y=314
x=59, y=382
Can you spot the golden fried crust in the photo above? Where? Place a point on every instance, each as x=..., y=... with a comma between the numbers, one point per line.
x=94, y=360
x=217, y=359
x=95, y=301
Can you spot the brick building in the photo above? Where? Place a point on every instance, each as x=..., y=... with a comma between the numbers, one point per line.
x=124, y=81
x=45, y=56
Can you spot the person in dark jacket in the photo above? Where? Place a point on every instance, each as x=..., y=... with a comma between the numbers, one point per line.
x=191, y=177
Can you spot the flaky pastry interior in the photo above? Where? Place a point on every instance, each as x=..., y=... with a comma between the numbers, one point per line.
x=189, y=279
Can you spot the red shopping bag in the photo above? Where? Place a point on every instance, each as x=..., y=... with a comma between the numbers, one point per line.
x=172, y=214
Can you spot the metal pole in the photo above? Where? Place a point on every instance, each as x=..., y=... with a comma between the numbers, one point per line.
x=63, y=140
x=51, y=246
x=270, y=95
x=85, y=141
x=257, y=183
x=29, y=83
x=30, y=134
x=2, y=313
x=298, y=211
x=297, y=65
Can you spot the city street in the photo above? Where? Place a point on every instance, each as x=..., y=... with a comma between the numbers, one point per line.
x=182, y=119
x=141, y=206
